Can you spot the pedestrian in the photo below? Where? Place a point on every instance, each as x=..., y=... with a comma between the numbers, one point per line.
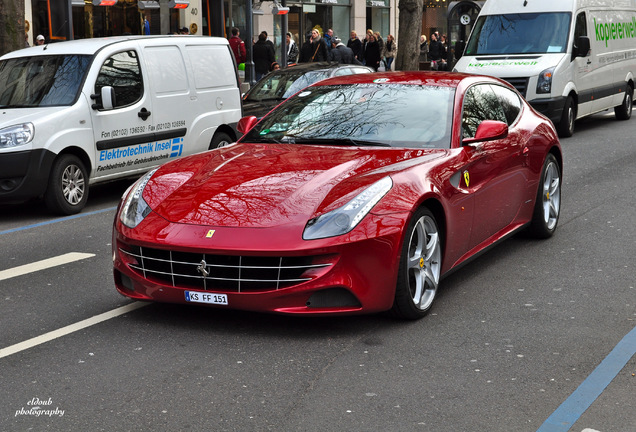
x=380, y=41
x=423, y=49
x=292, y=49
x=341, y=53
x=329, y=39
x=274, y=66
x=435, y=52
x=355, y=44
x=315, y=49
x=238, y=46
x=372, y=55
x=39, y=40
x=390, y=51
x=263, y=55
x=147, y=24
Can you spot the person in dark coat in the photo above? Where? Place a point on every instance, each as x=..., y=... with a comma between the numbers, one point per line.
x=263, y=55
x=372, y=55
x=305, y=50
x=435, y=52
x=356, y=45
x=316, y=51
x=341, y=53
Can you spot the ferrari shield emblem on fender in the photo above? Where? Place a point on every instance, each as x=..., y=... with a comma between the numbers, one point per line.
x=467, y=178
x=209, y=234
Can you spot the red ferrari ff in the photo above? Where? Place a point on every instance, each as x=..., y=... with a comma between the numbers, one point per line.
x=356, y=195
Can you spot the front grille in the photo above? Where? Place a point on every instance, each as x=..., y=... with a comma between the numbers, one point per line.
x=521, y=84
x=224, y=273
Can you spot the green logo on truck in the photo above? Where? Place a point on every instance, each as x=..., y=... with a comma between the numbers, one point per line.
x=613, y=31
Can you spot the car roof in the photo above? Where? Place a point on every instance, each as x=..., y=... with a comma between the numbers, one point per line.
x=93, y=45
x=445, y=79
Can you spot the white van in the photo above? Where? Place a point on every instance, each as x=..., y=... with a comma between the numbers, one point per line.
x=569, y=58
x=88, y=111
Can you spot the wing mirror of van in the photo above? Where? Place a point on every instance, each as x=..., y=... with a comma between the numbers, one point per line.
x=488, y=130
x=582, y=47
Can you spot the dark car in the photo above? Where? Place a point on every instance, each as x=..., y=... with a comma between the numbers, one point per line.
x=278, y=85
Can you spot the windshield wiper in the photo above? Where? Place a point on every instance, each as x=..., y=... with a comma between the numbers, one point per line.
x=294, y=139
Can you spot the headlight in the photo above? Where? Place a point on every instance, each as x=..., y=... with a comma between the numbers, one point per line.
x=16, y=135
x=344, y=219
x=544, y=83
x=135, y=209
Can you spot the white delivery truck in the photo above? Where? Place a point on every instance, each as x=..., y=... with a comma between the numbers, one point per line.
x=568, y=58
x=88, y=111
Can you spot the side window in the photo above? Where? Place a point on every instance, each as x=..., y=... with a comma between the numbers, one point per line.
x=510, y=103
x=580, y=29
x=480, y=103
x=122, y=72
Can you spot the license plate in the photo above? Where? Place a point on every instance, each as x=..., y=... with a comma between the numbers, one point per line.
x=210, y=298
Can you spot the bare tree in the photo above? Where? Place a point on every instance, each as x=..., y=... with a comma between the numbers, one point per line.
x=410, y=22
x=12, y=34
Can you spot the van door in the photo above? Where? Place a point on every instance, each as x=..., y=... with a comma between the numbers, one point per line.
x=583, y=69
x=123, y=136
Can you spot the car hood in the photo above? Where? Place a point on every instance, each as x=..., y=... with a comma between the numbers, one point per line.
x=267, y=185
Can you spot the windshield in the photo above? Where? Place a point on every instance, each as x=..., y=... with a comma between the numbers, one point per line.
x=393, y=115
x=530, y=33
x=281, y=85
x=41, y=80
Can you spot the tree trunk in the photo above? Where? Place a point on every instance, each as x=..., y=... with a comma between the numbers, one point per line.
x=410, y=22
x=12, y=34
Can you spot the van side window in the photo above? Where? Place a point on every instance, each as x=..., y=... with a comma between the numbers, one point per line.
x=480, y=103
x=510, y=103
x=122, y=72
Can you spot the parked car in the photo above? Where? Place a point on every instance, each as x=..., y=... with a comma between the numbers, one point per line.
x=356, y=195
x=278, y=85
x=82, y=112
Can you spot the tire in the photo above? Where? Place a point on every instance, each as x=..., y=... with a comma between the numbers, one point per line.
x=624, y=110
x=547, y=207
x=565, y=128
x=420, y=267
x=220, y=139
x=67, y=191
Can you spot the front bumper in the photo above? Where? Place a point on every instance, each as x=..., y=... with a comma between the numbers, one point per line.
x=24, y=174
x=356, y=275
x=551, y=108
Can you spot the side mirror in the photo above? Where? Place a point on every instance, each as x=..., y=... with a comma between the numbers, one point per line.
x=108, y=97
x=488, y=130
x=582, y=46
x=246, y=123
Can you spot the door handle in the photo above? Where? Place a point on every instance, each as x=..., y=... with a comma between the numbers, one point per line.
x=143, y=114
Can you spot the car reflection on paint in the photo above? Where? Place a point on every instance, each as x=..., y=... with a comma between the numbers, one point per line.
x=356, y=195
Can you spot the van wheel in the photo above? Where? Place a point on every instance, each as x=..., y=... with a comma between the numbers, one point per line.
x=624, y=110
x=67, y=190
x=220, y=139
x=565, y=128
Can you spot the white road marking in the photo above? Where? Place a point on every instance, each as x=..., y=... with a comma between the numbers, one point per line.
x=43, y=265
x=46, y=337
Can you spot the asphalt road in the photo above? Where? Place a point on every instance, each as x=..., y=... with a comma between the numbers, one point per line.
x=533, y=335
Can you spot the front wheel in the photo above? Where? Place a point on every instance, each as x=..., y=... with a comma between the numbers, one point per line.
x=220, y=139
x=565, y=128
x=67, y=191
x=420, y=267
x=624, y=110
x=547, y=207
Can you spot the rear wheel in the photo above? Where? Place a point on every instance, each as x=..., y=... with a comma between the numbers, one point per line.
x=565, y=128
x=420, y=267
x=624, y=110
x=220, y=139
x=547, y=207
x=67, y=191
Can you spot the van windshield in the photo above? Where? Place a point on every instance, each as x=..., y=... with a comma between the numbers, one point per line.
x=41, y=80
x=528, y=33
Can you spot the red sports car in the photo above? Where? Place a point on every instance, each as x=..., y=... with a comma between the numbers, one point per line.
x=356, y=195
